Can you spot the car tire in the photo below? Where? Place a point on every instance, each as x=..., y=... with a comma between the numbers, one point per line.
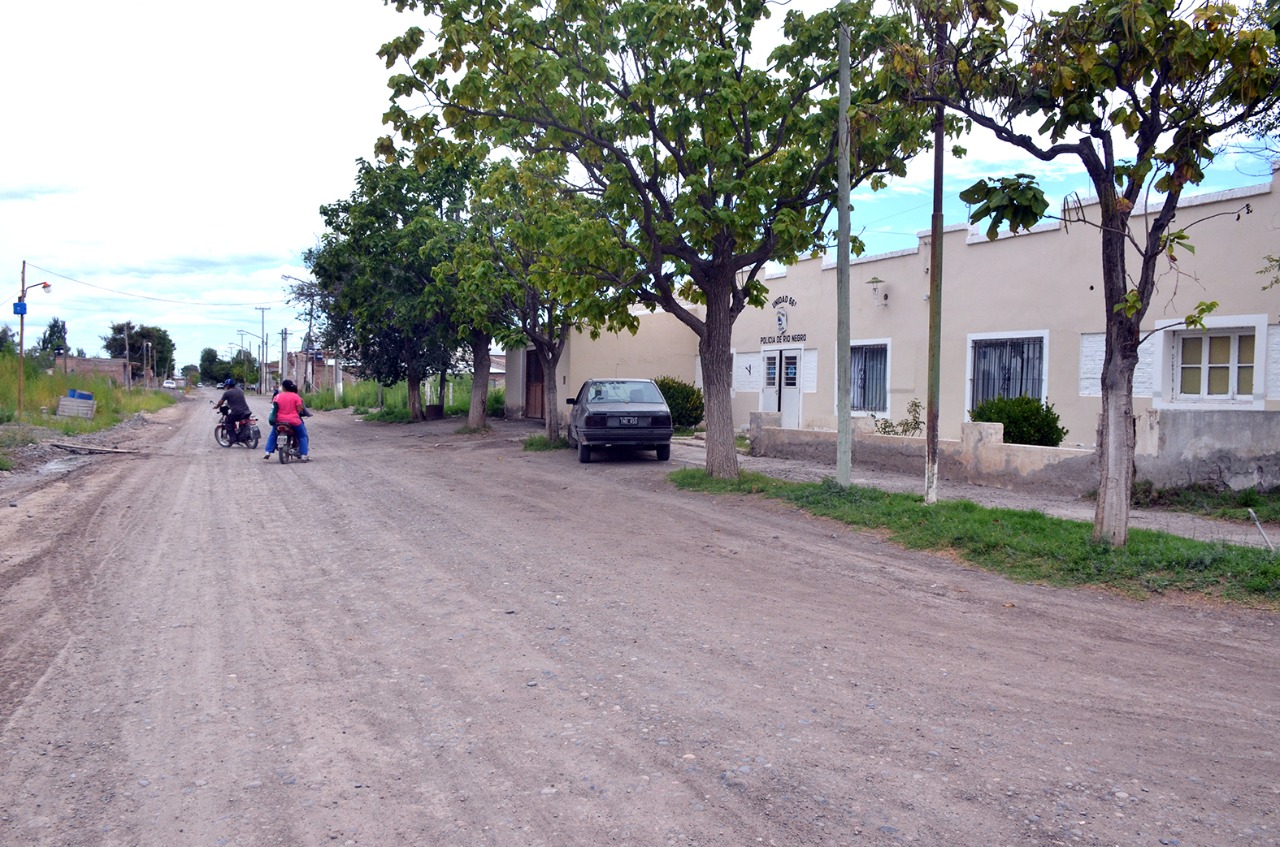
x=664, y=452
x=584, y=453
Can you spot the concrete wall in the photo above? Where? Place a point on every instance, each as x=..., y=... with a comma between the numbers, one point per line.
x=1231, y=449
x=979, y=457
x=666, y=348
x=1224, y=449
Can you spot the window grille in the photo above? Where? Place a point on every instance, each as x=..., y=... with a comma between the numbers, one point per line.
x=1007, y=367
x=868, y=373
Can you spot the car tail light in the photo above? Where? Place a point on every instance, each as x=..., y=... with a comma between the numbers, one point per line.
x=595, y=421
x=660, y=420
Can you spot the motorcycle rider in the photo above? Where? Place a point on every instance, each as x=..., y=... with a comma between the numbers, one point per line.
x=236, y=407
x=289, y=410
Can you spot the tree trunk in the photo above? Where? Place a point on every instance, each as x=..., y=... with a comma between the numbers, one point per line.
x=479, y=381
x=1117, y=440
x=551, y=396
x=414, y=382
x=1117, y=436
x=715, y=347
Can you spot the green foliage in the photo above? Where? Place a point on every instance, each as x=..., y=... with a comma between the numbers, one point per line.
x=1026, y=420
x=684, y=399
x=910, y=425
x=703, y=158
x=542, y=444
x=497, y=403
x=378, y=294
x=127, y=338
x=1015, y=200
x=1211, y=501
x=1027, y=546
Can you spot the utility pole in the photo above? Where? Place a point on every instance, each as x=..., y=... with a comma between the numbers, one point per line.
x=20, y=309
x=128, y=366
x=844, y=404
x=262, y=359
x=935, y=298
x=284, y=352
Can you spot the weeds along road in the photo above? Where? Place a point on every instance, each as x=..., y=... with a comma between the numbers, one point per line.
x=426, y=638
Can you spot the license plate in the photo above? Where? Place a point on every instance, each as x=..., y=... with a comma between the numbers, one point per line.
x=628, y=421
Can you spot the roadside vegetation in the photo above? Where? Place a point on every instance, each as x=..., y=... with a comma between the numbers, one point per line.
x=391, y=404
x=1210, y=502
x=1027, y=546
x=41, y=391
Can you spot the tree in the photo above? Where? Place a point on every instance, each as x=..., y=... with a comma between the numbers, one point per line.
x=521, y=264
x=212, y=369
x=1137, y=92
x=376, y=287
x=126, y=341
x=8, y=341
x=55, y=336
x=707, y=160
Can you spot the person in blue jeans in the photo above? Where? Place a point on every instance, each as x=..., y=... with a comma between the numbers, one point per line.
x=289, y=410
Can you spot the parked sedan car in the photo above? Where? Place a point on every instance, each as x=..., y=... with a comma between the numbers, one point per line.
x=620, y=413
x=168, y=383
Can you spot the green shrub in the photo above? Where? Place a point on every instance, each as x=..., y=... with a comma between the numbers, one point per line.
x=497, y=406
x=910, y=425
x=1026, y=420
x=685, y=401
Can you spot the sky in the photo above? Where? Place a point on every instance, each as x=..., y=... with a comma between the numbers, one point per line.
x=164, y=163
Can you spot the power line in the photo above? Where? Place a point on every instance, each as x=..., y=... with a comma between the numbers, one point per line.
x=146, y=297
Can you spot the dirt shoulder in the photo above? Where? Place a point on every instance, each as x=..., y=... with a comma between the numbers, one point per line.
x=423, y=637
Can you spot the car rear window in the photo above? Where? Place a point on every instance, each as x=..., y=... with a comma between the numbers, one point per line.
x=623, y=391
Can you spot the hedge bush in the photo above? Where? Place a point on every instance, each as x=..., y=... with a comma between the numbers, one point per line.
x=1026, y=420
x=685, y=401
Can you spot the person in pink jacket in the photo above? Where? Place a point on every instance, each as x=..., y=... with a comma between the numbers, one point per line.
x=289, y=410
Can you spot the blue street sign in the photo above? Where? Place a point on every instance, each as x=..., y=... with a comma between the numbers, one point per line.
x=19, y=308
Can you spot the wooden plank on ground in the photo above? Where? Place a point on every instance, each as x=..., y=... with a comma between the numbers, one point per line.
x=73, y=407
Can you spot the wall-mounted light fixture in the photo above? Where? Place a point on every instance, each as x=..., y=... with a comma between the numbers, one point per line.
x=882, y=299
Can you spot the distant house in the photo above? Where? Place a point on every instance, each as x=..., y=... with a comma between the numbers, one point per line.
x=498, y=371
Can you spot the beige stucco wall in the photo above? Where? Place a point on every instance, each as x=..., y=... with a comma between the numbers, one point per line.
x=1044, y=282
x=663, y=347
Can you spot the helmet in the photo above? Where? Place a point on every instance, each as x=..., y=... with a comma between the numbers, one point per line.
x=230, y=383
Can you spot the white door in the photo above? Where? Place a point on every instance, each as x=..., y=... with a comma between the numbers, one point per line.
x=781, y=390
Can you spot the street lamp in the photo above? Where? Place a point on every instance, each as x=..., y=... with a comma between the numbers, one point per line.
x=146, y=357
x=20, y=309
x=243, y=333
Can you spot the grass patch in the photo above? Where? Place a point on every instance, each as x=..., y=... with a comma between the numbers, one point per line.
x=391, y=414
x=1027, y=546
x=1210, y=501
x=541, y=444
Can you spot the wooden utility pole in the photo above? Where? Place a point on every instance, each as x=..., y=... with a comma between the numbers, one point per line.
x=844, y=442
x=935, y=299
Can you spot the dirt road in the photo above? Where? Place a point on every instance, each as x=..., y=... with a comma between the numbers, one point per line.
x=425, y=638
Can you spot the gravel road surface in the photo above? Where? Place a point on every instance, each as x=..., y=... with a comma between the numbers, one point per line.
x=429, y=638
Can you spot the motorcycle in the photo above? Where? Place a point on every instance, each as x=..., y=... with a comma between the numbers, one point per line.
x=287, y=447
x=247, y=432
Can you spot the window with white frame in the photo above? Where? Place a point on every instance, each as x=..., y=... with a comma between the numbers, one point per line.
x=1214, y=364
x=869, y=377
x=1006, y=367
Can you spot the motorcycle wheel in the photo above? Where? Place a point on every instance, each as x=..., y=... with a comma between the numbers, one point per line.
x=286, y=447
x=220, y=435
